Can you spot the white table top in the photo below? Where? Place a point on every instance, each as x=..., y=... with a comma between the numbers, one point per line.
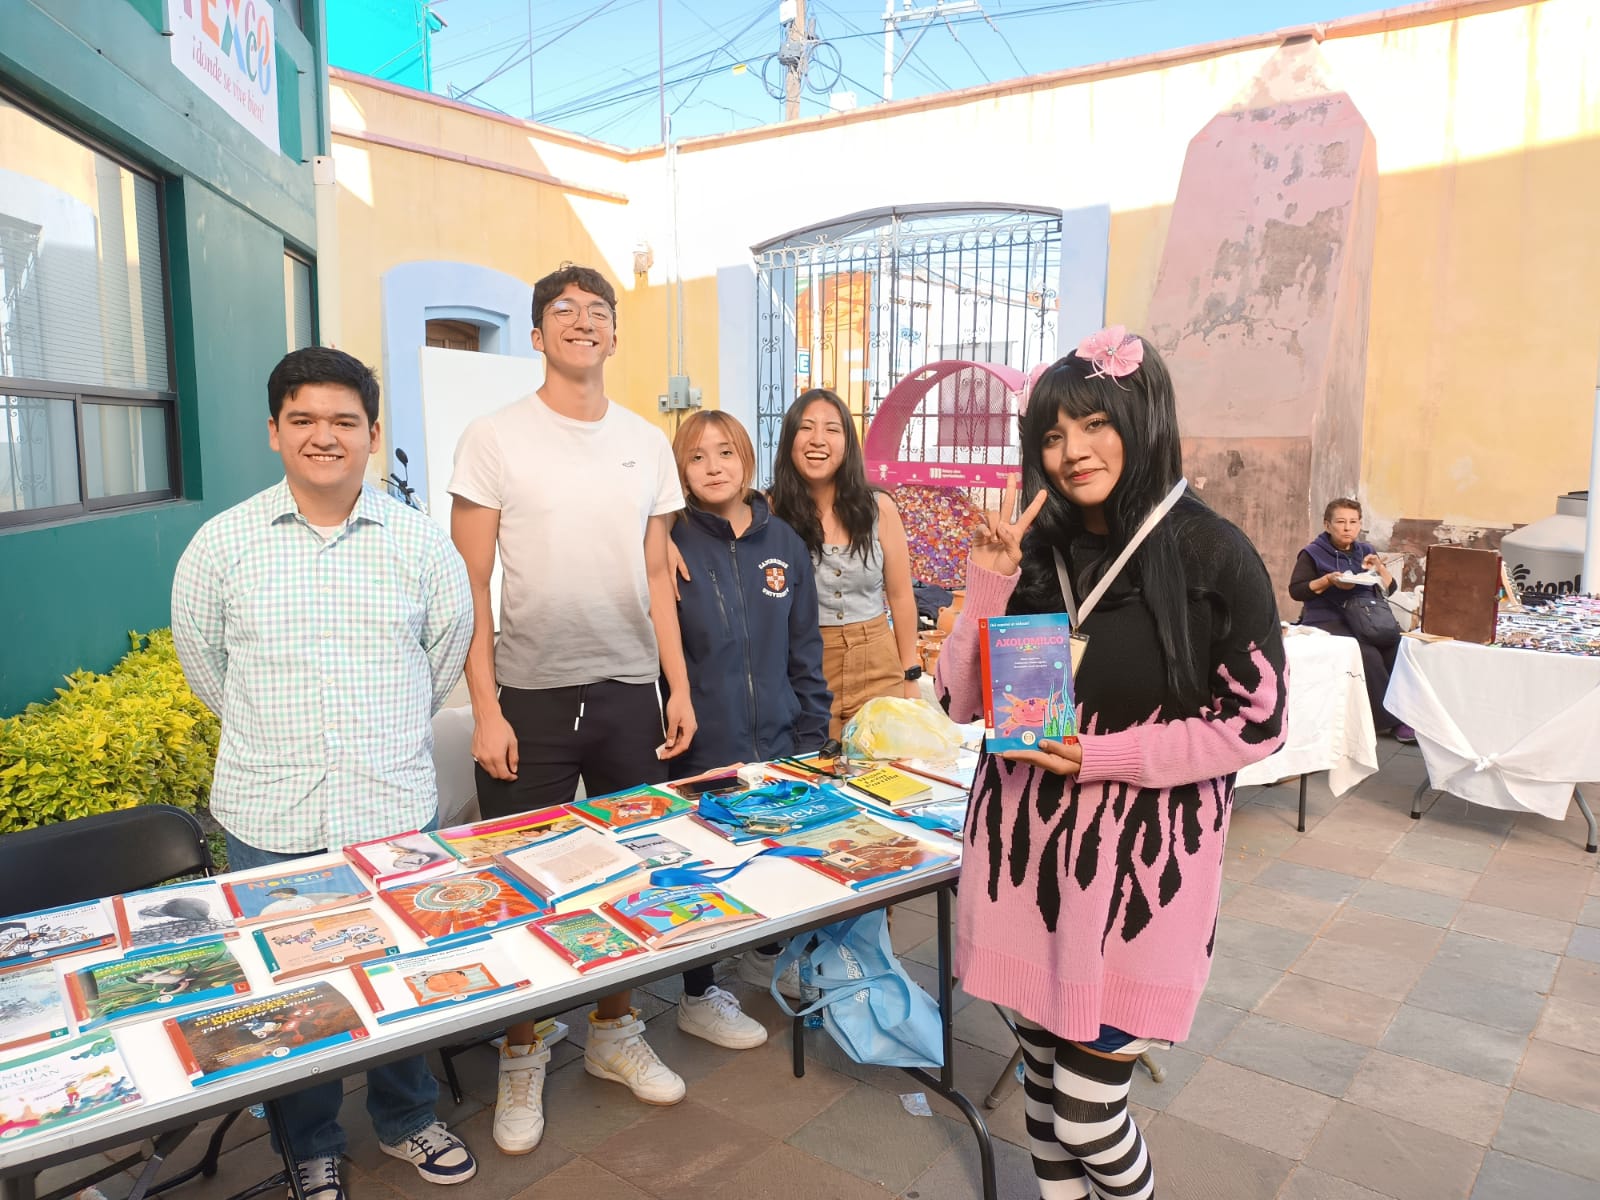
x=1512, y=729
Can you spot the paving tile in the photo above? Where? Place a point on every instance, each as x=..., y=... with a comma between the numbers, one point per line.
x=1237, y=983
x=1518, y=929
x=775, y=1175
x=1497, y=959
x=1577, y=980
x=1590, y=915
x=1428, y=877
x=581, y=1111
x=1360, y=831
x=908, y=928
x=1299, y=1056
x=580, y=1177
x=1423, y=846
x=1327, y=1008
x=1585, y=943
x=1557, y=1135
x=1265, y=944
x=1196, y=1163
x=1253, y=1108
x=1359, y=967
x=759, y=1088
x=1464, y=1047
x=1228, y=890
x=241, y=1167
x=1312, y=882
x=981, y=1025
x=1312, y=851
x=1594, y=885
x=681, y=1152
x=1441, y=1100
x=1212, y=1023
x=1504, y=892
x=1561, y=1073
x=1540, y=872
x=1451, y=816
x=1239, y=867
x=1268, y=907
x=1409, y=904
x=1406, y=1161
x=1569, y=1023
x=1556, y=841
x=1178, y=1066
x=954, y=1175
x=1307, y=1183
x=1505, y=1178
x=499, y=1177
x=1411, y=940
x=1513, y=1007
x=869, y=1134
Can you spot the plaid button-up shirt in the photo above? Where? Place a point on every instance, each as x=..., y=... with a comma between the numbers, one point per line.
x=326, y=661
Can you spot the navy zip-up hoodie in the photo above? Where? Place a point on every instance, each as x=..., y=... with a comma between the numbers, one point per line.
x=749, y=619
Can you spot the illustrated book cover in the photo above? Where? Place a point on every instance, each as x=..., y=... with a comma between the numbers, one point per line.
x=566, y=864
x=1027, y=673
x=475, y=845
x=384, y=860
x=585, y=939
x=32, y=1008
x=293, y=893
x=225, y=1041
x=178, y=912
x=657, y=851
x=68, y=929
x=452, y=906
x=148, y=981
x=667, y=916
x=633, y=808
x=894, y=788
x=324, y=941
x=424, y=981
x=66, y=1082
x=861, y=852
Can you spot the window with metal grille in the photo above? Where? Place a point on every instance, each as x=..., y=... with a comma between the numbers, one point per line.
x=87, y=412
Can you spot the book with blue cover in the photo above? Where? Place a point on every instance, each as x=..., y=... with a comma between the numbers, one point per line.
x=1027, y=680
x=257, y=1032
x=424, y=981
x=154, y=980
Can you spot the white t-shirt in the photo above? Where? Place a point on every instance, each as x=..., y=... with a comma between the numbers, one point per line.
x=574, y=500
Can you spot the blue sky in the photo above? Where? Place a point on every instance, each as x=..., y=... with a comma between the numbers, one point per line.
x=594, y=67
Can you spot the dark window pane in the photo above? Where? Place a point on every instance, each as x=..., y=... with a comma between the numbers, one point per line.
x=125, y=449
x=38, y=453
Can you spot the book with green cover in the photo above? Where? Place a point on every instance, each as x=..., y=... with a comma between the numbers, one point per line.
x=150, y=981
x=633, y=808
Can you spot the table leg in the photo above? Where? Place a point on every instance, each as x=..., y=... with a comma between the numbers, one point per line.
x=1588, y=815
x=285, y=1151
x=1302, y=826
x=1416, y=799
x=18, y=1187
x=799, y=1047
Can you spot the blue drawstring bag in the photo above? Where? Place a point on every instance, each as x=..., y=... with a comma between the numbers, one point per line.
x=875, y=1011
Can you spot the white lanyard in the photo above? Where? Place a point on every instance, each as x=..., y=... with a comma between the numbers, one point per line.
x=1080, y=615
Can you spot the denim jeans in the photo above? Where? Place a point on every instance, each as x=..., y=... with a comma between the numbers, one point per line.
x=400, y=1095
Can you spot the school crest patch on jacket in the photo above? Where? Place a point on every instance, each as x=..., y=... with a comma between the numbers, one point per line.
x=775, y=572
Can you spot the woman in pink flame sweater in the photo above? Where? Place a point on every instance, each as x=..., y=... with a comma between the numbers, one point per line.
x=1093, y=867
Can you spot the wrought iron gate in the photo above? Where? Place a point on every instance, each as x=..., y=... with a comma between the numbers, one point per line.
x=858, y=304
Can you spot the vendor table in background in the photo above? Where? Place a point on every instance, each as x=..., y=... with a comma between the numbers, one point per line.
x=1510, y=729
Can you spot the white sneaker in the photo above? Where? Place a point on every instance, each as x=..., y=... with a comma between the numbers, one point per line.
x=716, y=1016
x=756, y=968
x=617, y=1051
x=519, y=1107
x=319, y=1178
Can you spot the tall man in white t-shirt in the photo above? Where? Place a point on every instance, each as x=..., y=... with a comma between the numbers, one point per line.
x=578, y=494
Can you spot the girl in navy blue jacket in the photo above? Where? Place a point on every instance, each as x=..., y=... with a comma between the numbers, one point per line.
x=747, y=608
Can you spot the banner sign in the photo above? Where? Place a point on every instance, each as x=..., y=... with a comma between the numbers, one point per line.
x=228, y=49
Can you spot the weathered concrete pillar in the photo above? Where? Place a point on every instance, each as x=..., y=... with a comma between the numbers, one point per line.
x=1260, y=306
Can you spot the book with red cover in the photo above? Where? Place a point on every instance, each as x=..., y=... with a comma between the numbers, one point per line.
x=452, y=906
x=585, y=939
x=257, y=1032
x=383, y=860
x=477, y=844
x=324, y=941
x=665, y=916
x=862, y=853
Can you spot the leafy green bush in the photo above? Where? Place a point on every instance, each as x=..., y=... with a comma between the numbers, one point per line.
x=136, y=735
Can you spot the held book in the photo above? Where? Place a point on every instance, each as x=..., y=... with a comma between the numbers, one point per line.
x=424, y=981
x=166, y=916
x=324, y=941
x=477, y=844
x=889, y=786
x=293, y=893
x=1027, y=674
x=862, y=853
x=68, y=929
x=633, y=808
x=585, y=939
x=667, y=916
x=31, y=1006
x=153, y=980
x=383, y=860
x=452, y=906
x=258, y=1032
x=565, y=864
x=63, y=1083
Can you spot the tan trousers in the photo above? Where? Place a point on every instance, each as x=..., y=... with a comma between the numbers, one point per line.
x=860, y=662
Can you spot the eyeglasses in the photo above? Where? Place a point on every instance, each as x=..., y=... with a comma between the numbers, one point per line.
x=566, y=312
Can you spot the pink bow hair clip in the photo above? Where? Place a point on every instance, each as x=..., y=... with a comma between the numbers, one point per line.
x=1113, y=352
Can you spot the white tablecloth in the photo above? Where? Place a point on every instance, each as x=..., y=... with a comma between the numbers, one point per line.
x=1330, y=721
x=1513, y=729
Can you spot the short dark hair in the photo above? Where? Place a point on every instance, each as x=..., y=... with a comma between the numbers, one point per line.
x=321, y=364
x=568, y=274
x=1336, y=504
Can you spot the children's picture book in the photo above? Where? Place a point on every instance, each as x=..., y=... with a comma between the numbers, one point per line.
x=894, y=788
x=178, y=912
x=657, y=851
x=565, y=864
x=31, y=1005
x=148, y=981
x=324, y=941
x=386, y=859
x=68, y=929
x=466, y=902
x=667, y=916
x=585, y=939
x=293, y=893
x=1027, y=672
x=633, y=808
x=424, y=981
x=959, y=771
x=476, y=844
x=65, y=1082
x=814, y=768
x=946, y=817
x=263, y=1030
x=862, y=853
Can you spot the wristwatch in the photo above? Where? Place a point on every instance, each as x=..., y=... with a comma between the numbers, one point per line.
x=913, y=673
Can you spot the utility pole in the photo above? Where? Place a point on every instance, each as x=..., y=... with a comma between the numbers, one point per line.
x=892, y=20
x=794, y=55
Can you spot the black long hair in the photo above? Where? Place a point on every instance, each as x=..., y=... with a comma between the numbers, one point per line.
x=855, y=501
x=1140, y=408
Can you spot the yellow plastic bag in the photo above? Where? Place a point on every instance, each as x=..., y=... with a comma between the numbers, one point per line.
x=894, y=727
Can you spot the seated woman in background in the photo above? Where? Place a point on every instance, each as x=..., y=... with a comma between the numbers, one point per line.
x=1316, y=583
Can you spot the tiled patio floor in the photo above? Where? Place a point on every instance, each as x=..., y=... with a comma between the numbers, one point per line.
x=1403, y=1009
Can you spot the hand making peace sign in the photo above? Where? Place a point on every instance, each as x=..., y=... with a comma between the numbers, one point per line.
x=997, y=543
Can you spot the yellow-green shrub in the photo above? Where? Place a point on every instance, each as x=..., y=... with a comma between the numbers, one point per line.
x=136, y=735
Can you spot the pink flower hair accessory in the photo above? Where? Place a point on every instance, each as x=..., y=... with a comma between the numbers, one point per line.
x=1113, y=352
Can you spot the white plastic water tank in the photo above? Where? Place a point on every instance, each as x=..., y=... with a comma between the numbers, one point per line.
x=1547, y=556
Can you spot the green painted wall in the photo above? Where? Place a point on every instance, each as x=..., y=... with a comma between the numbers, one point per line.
x=70, y=592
